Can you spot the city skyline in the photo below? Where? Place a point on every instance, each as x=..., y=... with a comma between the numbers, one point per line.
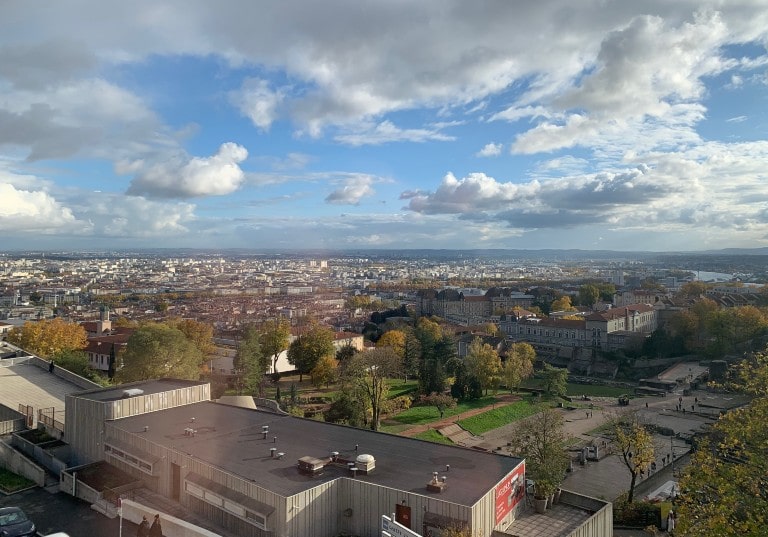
x=491, y=125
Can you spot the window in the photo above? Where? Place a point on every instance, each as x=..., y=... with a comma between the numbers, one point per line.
x=259, y=520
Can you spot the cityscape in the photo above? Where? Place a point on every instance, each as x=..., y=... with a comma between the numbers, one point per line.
x=383, y=269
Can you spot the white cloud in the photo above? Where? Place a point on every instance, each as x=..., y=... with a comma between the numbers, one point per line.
x=138, y=217
x=184, y=177
x=35, y=211
x=353, y=190
x=490, y=150
x=387, y=132
x=258, y=102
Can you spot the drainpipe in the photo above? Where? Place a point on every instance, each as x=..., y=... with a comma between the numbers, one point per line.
x=74, y=482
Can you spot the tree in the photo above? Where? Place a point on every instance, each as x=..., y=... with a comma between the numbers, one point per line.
x=441, y=401
x=484, y=364
x=307, y=349
x=324, y=371
x=156, y=351
x=346, y=408
x=555, y=380
x=562, y=304
x=692, y=289
x=394, y=339
x=77, y=363
x=541, y=440
x=201, y=334
x=250, y=363
x=588, y=295
x=367, y=372
x=723, y=490
x=635, y=445
x=47, y=338
x=345, y=353
x=519, y=365
x=274, y=339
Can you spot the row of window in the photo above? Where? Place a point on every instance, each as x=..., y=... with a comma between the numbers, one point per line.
x=129, y=459
x=257, y=519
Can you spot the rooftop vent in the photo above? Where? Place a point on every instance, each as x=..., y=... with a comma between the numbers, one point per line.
x=311, y=465
x=437, y=484
x=132, y=392
x=365, y=463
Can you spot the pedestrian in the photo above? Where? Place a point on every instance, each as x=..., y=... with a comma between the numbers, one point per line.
x=143, y=530
x=692, y=407
x=587, y=413
x=50, y=366
x=156, y=530
x=671, y=521
x=646, y=404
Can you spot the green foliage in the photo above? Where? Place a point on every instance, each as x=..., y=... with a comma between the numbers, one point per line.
x=554, y=380
x=498, y=417
x=367, y=374
x=157, y=351
x=723, y=491
x=250, y=362
x=418, y=415
x=541, y=440
x=484, y=364
x=441, y=401
x=324, y=371
x=346, y=409
x=305, y=351
x=635, y=514
x=519, y=364
x=274, y=338
x=432, y=435
x=10, y=482
x=77, y=363
x=588, y=295
x=635, y=446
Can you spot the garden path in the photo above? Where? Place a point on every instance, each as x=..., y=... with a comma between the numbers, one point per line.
x=501, y=401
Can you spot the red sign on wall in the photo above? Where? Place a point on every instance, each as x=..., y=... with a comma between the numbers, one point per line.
x=509, y=492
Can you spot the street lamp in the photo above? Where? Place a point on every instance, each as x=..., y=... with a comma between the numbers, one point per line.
x=672, y=452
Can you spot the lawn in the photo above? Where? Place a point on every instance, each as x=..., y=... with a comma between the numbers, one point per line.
x=498, y=417
x=418, y=415
x=433, y=436
x=398, y=387
x=10, y=482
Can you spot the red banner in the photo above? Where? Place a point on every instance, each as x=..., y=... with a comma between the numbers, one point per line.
x=509, y=492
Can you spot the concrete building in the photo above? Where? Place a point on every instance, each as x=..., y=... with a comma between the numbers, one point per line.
x=264, y=474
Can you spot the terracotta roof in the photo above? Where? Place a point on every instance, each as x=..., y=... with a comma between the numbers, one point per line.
x=616, y=313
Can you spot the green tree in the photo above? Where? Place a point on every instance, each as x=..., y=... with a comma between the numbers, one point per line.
x=250, y=363
x=367, y=374
x=305, y=351
x=555, y=380
x=518, y=365
x=542, y=441
x=158, y=351
x=77, y=363
x=47, y=338
x=275, y=334
x=484, y=364
x=635, y=446
x=588, y=295
x=441, y=401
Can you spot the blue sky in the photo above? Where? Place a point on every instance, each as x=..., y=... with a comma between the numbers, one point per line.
x=392, y=124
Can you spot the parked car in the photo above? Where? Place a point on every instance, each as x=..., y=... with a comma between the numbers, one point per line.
x=14, y=523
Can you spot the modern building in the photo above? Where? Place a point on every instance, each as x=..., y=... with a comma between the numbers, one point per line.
x=264, y=474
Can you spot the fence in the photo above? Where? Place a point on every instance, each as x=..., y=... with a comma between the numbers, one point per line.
x=29, y=414
x=47, y=416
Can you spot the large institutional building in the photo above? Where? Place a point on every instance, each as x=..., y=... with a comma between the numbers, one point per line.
x=263, y=474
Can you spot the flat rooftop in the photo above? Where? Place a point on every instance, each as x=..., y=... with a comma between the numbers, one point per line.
x=231, y=439
x=147, y=386
x=26, y=384
x=560, y=519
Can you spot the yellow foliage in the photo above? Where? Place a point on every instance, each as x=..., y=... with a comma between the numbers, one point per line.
x=48, y=337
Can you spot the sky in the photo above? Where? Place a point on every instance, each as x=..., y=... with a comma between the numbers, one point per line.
x=394, y=124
